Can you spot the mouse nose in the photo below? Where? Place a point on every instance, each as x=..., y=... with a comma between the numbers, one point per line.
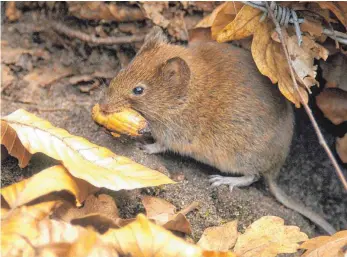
x=104, y=104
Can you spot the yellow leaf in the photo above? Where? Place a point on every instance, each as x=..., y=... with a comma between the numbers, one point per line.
x=267, y=53
x=142, y=238
x=55, y=178
x=92, y=163
x=127, y=121
x=21, y=224
x=268, y=237
x=221, y=238
x=14, y=146
x=163, y=213
x=338, y=8
x=326, y=246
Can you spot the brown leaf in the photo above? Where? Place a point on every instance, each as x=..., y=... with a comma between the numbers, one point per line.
x=21, y=224
x=7, y=77
x=11, y=55
x=338, y=8
x=221, y=238
x=12, y=13
x=52, y=179
x=313, y=27
x=333, y=103
x=334, y=71
x=163, y=213
x=94, y=164
x=13, y=145
x=47, y=75
x=126, y=121
x=105, y=11
x=326, y=246
x=267, y=53
x=153, y=11
x=341, y=148
x=269, y=237
x=144, y=239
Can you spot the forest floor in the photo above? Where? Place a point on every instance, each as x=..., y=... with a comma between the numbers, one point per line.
x=307, y=175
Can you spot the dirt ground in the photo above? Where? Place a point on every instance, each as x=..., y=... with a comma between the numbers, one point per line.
x=307, y=175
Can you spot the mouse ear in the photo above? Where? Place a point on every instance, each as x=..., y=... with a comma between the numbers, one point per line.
x=176, y=74
x=153, y=39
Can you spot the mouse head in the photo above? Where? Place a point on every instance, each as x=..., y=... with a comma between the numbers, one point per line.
x=154, y=83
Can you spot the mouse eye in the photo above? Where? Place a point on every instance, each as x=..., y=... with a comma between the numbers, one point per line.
x=138, y=90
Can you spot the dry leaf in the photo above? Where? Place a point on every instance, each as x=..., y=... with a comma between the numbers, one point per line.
x=55, y=178
x=326, y=246
x=333, y=103
x=11, y=55
x=127, y=121
x=95, y=10
x=163, y=213
x=153, y=11
x=13, y=145
x=145, y=239
x=21, y=224
x=12, y=13
x=341, y=148
x=7, y=77
x=267, y=53
x=84, y=160
x=334, y=71
x=269, y=237
x=338, y=8
x=221, y=238
x=47, y=75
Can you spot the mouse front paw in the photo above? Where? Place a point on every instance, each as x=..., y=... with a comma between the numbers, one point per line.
x=151, y=148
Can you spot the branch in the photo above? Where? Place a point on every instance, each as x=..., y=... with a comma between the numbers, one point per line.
x=61, y=28
x=322, y=141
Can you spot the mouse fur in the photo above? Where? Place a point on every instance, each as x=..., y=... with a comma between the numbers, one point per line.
x=208, y=101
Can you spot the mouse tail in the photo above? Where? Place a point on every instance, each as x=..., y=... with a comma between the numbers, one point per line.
x=298, y=207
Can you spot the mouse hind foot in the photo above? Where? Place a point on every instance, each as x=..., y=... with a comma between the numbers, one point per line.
x=217, y=180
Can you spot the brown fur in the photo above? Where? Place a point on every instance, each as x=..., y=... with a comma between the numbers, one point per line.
x=207, y=101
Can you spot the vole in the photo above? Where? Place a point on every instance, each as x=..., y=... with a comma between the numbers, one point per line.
x=208, y=101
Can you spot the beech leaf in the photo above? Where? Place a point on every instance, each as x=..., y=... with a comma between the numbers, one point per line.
x=221, y=238
x=268, y=237
x=55, y=178
x=341, y=148
x=92, y=163
x=326, y=246
x=145, y=239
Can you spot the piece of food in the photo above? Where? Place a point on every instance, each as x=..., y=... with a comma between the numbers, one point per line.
x=127, y=121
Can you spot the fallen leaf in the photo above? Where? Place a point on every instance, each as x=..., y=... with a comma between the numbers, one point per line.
x=47, y=75
x=21, y=224
x=105, y=11
x=92, y=163
x=337, y=8
x=13, y=145
x=221, y=238
x=334, y=71
x=127, y=121
x=163, y=213
x=11, y=55
x=269, y=237
x=267, y=53
x=153, y=11
x=7, y=77
x=333, y=104
x=326, y=246
x=341, y=148
x=52, y=179
x=144, y=238
x=12, y=13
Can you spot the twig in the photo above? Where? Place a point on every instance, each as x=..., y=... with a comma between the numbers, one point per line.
x=61, y=28
x=321, y=139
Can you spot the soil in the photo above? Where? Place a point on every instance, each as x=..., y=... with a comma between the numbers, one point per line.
x=307, y=176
